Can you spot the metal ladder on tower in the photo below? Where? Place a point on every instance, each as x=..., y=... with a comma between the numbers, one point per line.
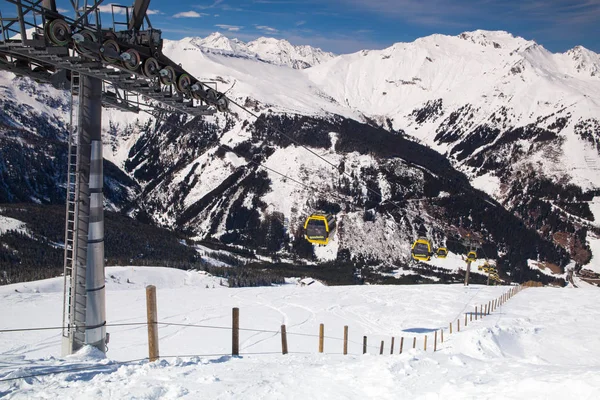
x=76, y=227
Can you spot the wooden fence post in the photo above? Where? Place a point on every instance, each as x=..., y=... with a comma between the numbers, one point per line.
x=364, y=345
x=392, y=346
x=475, y=313
x=425, y=344
x=284, y=349
x=381, y=348
x=451, y=328
x=345, y=339
x=401, y=344
x=465, y=320
x=489, y=307
x=235, y=332
x=458, y=325
x=481, y=311
x=435, y=341
x=152, y=316
x=415, y=342
x=442, y=334
x=321, y=337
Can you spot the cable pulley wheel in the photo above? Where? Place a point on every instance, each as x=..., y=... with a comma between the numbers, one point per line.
x=58, y=32
x=112, y=45
x=168, y=76
x=222, y=104
x=211, y=96
x=183, y=83
x=134, y=60
x=88, y=37
x=150, y=68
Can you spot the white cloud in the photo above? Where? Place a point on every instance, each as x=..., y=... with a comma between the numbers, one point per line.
x=300, y=23
x=266, y=29
x=230, y=28
x=63, y=10
x=188, y=14
x=108, y=9
x=213, y=5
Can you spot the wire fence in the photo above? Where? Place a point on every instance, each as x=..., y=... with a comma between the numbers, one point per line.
x=479, y=312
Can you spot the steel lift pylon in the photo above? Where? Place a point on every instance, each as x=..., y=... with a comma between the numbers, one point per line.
x=102, y=66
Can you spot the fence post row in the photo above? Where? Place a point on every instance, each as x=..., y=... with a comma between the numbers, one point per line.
x=152, y=317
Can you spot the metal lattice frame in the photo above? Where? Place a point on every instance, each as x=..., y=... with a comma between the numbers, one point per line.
x=106, y=67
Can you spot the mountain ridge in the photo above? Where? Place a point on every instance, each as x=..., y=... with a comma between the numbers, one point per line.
x=506, y=116
x=270, y=50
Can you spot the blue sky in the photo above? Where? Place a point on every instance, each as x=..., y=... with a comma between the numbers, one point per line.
x=343, y=26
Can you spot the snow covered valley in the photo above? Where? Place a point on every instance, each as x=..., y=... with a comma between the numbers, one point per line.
x=541, y=344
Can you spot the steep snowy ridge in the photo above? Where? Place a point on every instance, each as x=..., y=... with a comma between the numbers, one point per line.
x=586, y=61
x=271, y=50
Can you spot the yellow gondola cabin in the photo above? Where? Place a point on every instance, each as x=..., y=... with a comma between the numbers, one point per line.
x=472, y=256
x=441, y=252
x=421, y=249
x=319, y=228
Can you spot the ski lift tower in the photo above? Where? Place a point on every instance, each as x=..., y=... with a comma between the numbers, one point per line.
x=111, y=67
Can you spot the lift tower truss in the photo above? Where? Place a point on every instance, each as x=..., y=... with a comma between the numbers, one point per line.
x=119, y=68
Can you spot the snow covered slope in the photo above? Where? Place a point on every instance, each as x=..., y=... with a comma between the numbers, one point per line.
x=541, y=344
x=463, y=96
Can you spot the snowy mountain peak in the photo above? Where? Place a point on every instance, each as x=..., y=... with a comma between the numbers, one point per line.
x=270, y=50
x=218, y=41
x=495, y=39
x=586, y=61
x=282, y=52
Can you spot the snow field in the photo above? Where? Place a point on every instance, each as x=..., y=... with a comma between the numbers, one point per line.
x=183, y=298
x=7, y=224
x=540, y=344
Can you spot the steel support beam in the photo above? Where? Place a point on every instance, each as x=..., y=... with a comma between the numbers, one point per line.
x=91, y=125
